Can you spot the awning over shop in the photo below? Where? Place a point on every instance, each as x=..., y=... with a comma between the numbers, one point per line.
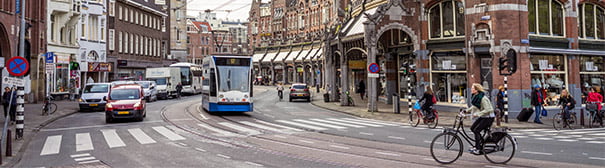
x=318, y=55
x=256, y=58
x=293, y=55
x=357, y=27
x=268, y=57
x=280, y=57
x=304, y=55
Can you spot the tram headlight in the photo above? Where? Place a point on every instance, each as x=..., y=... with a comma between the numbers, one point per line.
x=246, y=96
x=220, y=96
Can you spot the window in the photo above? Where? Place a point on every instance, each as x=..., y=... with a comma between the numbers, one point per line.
x=120, y=13
x=112, y=8
x=546, y=17
x=548, y=71
x=136, y=44
x=136, y=17
x=591, y=21
x=126, y=35
x=446, y=19
x=83, y=30
x=111, y=39
x=52, y=28
x=120, y=42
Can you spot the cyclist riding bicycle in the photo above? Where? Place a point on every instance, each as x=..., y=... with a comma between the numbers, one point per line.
x=280, y=90
x=480, y=107
x=567, y=103
x=428, y=103
x=596, y=98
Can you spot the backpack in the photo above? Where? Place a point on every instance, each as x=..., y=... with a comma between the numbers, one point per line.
x=434, y=99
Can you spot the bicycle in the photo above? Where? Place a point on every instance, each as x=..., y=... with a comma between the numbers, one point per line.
x=349, y=99
x=415, y=118
x=48, y=107
x=594, y=118
x=498, y=146
x=280, y=94
x=558, y=122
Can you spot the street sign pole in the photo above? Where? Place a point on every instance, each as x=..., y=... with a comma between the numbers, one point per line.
x=20, y=89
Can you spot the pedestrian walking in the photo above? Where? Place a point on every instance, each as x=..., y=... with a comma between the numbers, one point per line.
x=361, y=89
x=500, y=101
x=537, y=100
x=179, y=88
x=5, y=100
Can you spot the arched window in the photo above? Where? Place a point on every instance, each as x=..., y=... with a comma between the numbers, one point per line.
x=546, y=17
x=446, y=19
x=591, y=21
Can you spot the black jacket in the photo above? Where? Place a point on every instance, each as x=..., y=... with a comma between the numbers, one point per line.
x=564, y=100
x=428, y=100
x=534, y=97
x=500, y=99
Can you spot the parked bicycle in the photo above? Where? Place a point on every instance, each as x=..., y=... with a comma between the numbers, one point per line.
x=559, y=122
x=416, y=115
x=498, y=146
x=594, y=118
x=48, y=107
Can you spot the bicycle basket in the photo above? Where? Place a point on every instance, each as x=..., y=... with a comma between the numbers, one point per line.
x=496, y=135
x=591, y=106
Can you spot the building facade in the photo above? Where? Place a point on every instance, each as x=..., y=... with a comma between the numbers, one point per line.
x=199, y=41
x=91, y=60
x=177, y=16
x=64, y=18
x=448, y=45
x=35, y=42
x=137, y=28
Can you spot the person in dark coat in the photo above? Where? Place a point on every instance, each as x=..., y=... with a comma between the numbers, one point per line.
x=361, y=89
x=179, y=88
x=5, y=100
x=500, y=101
x=537, y=100
x=567, y=103
x=13, y=104
x=428, y=102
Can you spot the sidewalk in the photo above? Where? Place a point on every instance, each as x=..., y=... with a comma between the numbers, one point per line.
x=33, y=122
x=385, y=113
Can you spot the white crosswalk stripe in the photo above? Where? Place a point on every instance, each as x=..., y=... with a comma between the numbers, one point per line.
x=240, y=128
x=370, y=121
x=277, y=125
x=140, y=136
x=320, y=124
x=263, y=127
x=590, y=135
x=52, y=145
x=168, y=134
x=218, y=131
x=83, y=142
x=338, y=123
x=112, y=138
x=301, y=125
x=355, y=122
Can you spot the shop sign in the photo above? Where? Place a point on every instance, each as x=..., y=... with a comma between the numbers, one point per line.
x=299, y=69
x=62, y=58
x=357, y=64
x=122, y=63
x=99, y=67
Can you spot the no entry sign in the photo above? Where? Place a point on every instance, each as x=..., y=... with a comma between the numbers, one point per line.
x=17, y=66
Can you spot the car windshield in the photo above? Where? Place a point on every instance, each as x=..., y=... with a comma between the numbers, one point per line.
x=160, y=81
x=299, y=87
x=144, y=84
x=96, y=89
x=124, y=94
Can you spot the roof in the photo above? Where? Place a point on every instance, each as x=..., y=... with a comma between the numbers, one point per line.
x=199, y=25
x=126, y=86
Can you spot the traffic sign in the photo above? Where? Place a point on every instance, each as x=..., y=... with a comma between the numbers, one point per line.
x=50, y=57
x=17, y=66
x=13, y=81
x=373, y=75
x=374, y=68
x=50, y=67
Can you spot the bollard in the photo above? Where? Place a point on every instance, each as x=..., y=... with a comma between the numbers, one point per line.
x=20, y=115
x=396, y=108
x=498, y=116
x=9, y=146
x=582, y=117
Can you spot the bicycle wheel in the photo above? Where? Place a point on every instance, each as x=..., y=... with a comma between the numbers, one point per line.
x=433, y=123
x=571, y=121
x=557, y=121
x=591, y=119
x=414, y=118
x=500, y=152
x=52, y=108
x=446, y=148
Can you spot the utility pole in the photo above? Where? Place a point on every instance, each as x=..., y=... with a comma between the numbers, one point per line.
x=20, y=89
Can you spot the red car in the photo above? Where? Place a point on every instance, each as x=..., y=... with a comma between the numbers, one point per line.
x=125, y=101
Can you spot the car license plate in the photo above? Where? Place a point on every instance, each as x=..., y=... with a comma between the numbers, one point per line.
x=300, y=94
x=94, y=105
x=123, y=112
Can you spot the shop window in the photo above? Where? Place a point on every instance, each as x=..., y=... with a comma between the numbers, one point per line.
x=448, y=71
x=62, y=78
x=446, y=19
x=546, y=17
x=592, y=74
x=591, y=21
x=549, y=72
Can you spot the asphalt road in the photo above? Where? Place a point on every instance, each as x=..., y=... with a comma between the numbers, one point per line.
x=176, y=133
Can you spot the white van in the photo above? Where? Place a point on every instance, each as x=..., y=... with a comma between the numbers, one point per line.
x=92, y=96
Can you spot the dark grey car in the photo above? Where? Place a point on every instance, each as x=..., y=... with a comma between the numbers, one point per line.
x=300, y=91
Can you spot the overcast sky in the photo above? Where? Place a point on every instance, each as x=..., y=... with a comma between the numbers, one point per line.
x=240, y=8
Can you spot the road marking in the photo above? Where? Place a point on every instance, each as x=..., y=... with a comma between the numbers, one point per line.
x=353, y=122
x=389, y=154
x=301, y=125
x=140, y=136
x=521, y=137
x=200, y=149
x=586, y=139
x=223, y=156
x=80, y=155
x=341, y=147
x=546, y=139
x=279, y=136
x=394, y=137
x=52, y=145
x=277, y=125
x=567, y=140
x=337, y=123
x=168, y=134
x=112, y=138
x=219, y=131
x=532, y=130
x=320, y=124
x=365, y=133
x=428, y=141
x=561, y=137
x=493, y=166
x=114, y=125
x=199, y=111
x=254, y=164
x=600, y=134
x=596, y=158
x=269, y=115
x=537, y=153
x=596, y=142
x=261, y=126
x=86, y=162
x=84, y=159
x=369, y=121
x=305, y=141
x=83, y=142
x=240, y=128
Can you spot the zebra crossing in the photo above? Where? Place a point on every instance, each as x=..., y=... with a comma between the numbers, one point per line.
x=590, y=136
x=113, y=139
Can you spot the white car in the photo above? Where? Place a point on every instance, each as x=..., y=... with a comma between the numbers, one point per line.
x=149, y=87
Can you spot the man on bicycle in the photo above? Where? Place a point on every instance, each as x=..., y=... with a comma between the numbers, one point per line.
x=280, y=90
x=480, y=107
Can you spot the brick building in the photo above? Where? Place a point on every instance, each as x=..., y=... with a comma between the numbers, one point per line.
x=449, y=45
x=199, y=41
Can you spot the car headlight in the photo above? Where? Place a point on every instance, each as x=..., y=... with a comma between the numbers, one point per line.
x=108, y=105
x=81, y=100
x=137, y=104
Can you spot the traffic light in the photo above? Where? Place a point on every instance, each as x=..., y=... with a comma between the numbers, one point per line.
x=508, y=64
x=503, y=63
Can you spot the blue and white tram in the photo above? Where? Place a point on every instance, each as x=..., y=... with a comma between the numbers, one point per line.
x=191, y=77
x=227, y=84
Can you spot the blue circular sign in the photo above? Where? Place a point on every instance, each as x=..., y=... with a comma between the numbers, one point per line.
x=373, y=68
x=17, y=66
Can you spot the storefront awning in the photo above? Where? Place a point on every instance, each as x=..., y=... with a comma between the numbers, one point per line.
x=565, y=51
x=304, y=55
x=293, y=55
x=280, y=57
x=357, y=27
x=268, y=57
x=318, y=55
x=256, y=58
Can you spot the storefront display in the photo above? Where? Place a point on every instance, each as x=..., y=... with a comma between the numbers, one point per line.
x=592, y=74
x=549, y=72
x=448, y=71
